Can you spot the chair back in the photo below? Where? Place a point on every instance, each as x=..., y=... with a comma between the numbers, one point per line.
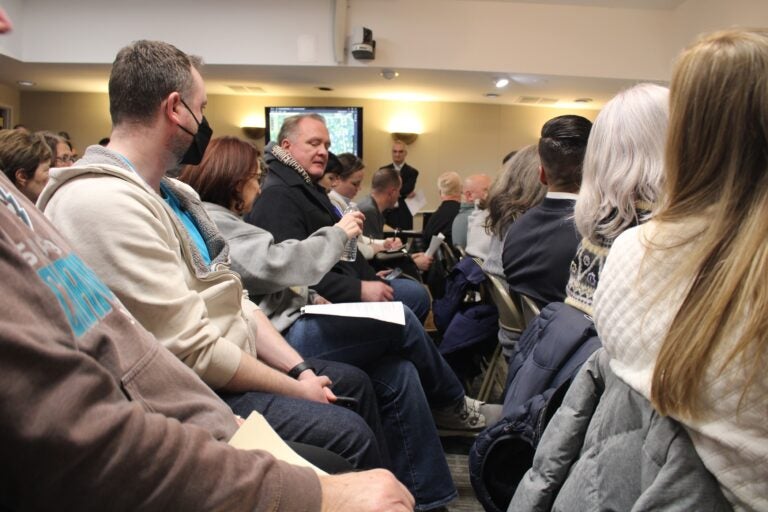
x=511, y=316
x=529, y=307
x=448, y=257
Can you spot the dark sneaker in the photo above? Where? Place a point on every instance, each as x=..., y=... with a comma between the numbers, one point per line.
x=462, y=419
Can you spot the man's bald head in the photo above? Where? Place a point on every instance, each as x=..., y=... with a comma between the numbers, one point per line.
x=476, y=187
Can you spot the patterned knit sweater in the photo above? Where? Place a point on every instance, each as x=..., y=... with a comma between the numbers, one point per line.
x=585, y=272
x=588, y=263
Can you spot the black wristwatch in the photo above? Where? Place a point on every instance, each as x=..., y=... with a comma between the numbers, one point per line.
x=299, y=368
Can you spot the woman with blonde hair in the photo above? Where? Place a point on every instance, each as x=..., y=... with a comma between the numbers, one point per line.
x=682, y=303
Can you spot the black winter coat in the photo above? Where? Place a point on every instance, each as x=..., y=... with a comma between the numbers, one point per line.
x=289, y=208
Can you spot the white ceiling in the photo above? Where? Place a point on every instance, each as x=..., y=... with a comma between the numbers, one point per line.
x=346, y=82
x=360, y=80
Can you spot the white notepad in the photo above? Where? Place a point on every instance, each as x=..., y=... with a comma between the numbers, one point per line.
x=391, y=312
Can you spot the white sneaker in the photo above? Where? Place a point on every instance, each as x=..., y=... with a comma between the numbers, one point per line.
x=462, y=419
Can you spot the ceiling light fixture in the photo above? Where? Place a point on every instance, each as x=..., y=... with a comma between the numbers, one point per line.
x=389, y=74
x=491, y=95
x=26, y=83
x=324, y=88
x=501, y=82
x=583, y=100
x=528, y=79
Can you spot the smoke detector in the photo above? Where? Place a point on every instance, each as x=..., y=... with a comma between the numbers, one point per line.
x=389, y=74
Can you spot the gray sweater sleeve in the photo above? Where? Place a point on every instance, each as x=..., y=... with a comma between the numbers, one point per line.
x=266, y=267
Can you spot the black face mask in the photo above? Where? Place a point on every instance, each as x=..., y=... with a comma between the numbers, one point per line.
x=196, y=150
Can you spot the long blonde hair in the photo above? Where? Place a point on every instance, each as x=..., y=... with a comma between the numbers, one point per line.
x=717, y=162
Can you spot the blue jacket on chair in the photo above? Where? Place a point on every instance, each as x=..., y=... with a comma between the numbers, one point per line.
x=548, y=356
x=464, y=324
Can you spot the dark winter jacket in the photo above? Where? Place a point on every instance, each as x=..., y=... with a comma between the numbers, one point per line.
x=548, y=356
x=464, y=324
x=289, y=208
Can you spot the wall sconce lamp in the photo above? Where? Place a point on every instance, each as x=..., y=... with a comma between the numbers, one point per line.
x=408, y=138
x=254, y=132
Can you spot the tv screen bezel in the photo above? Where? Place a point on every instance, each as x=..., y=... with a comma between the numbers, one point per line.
x=318, y=110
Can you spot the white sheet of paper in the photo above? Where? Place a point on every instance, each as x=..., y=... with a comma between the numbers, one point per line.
x=257, y=434
x=434, y=244
x=417, y=202
x=391, y=312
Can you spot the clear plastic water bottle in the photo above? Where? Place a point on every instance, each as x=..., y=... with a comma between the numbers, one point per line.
x=350, y=250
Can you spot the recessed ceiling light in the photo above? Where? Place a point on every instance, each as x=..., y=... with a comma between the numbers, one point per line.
x=491, y=95
x=324, y=88
x=26, y=83
x=389, y=74
x=501, y=82
x=582, y=100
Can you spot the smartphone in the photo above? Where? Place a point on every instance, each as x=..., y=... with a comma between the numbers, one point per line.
x=392, y=275
x=347, y=401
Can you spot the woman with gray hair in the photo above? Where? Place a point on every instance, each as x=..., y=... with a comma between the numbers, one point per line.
x=622, y=178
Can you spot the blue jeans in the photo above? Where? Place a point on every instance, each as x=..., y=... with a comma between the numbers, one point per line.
x=412, y=294
x=335, y=428
x=409, y=375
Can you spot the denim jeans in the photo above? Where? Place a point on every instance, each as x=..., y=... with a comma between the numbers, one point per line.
x=409, y=375
x=412, y=294
x=352, y=435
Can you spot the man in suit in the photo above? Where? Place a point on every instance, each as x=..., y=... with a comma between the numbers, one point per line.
x=400, y=216
x=539, y=246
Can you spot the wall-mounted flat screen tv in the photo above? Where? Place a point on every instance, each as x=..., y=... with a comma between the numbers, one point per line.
x=345, y=125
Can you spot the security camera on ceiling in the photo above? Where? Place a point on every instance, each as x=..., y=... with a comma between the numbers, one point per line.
x=363, y=45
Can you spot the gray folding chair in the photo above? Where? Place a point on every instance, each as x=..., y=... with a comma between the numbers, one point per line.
x=511, y=319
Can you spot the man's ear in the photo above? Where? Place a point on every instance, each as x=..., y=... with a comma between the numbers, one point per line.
x=171, y=107
x=285, y=144
x=542, y=175
x=20, y=177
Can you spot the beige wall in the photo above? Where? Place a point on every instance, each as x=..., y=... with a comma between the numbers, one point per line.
x=10, y=98
x=463, y=137
x=85, y=116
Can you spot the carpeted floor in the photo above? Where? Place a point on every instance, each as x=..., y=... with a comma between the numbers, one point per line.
x=466, y=501
x=456, y=453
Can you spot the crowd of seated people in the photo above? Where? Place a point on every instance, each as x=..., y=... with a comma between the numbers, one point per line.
x=622, y=176
x=144, y=313
x=342, y=189
x=408, y=373
x=168, y=264
x=673, y=275
x=291, y=189
x=109, y=402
